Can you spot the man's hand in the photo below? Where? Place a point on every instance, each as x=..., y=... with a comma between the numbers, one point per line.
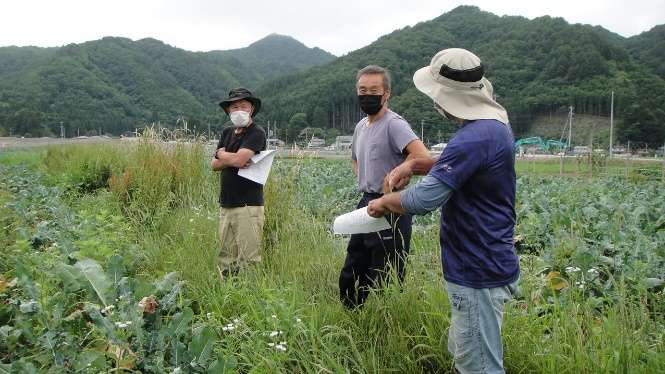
x=400, y=176
x=377, y=209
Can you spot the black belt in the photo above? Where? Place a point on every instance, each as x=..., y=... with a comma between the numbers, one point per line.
x=372, y=194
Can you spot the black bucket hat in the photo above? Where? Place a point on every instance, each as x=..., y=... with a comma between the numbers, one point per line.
x=241, y=93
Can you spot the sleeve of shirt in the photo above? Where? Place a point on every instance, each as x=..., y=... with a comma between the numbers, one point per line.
x=425, y=196
x=402, y=134
x=255, y=141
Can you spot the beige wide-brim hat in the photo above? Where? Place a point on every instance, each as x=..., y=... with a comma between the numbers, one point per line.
x=454, y=80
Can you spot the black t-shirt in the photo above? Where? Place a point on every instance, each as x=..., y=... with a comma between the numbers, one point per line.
x=236, y=190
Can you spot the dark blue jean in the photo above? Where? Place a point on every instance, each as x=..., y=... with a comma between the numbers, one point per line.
x=372, y=257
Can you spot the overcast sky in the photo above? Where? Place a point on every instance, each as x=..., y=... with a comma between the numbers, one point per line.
x=337, y=26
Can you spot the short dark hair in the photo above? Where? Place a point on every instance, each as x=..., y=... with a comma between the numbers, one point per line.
x=375, y=69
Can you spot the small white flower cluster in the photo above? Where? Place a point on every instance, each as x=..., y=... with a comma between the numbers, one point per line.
x=571, y=269
x=109, y=308
x=280, y=347
x=592, y=271
x=230, y=326
x=123, y=324
x=580, y=284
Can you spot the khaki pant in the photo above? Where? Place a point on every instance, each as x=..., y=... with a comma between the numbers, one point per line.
x=240, y=232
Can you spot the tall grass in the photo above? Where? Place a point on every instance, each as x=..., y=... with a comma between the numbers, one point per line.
x=284, y=315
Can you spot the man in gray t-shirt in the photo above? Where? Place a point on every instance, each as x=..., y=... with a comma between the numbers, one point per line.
x=381, y=141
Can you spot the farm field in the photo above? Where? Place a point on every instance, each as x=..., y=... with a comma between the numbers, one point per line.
x=109, y=264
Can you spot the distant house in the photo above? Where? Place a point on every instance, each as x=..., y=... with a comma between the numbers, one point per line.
x=437, y=149
x=316, y=143
x=660, y=151
x=343, y=142
x=274, y=143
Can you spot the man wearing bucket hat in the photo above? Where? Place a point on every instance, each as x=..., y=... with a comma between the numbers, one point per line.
x=381, y=141
x=240, y=199
x=474, y=182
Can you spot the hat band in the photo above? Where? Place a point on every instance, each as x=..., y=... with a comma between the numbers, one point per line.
x=468, y=75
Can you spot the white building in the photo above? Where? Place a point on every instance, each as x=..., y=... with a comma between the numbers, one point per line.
x=343, y=142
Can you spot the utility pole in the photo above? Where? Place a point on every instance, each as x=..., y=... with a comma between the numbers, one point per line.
x=570, y=127
x=62, y=130
x=422, y=126
x=611, y=122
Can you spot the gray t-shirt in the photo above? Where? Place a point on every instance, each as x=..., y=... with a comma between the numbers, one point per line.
x=379, y=148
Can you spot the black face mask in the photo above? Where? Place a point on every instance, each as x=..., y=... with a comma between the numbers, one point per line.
x=370, y=104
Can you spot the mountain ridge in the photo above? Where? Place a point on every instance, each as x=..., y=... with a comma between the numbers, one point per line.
x=538, y=67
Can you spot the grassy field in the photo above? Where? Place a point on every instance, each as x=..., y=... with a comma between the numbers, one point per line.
x=110, y=265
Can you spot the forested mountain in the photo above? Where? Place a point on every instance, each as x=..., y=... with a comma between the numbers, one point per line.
x=116, y=85
x=539, y=68
x=274, y=56
x=649, y=49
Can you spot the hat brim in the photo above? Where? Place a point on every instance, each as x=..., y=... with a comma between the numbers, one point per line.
x=464, y=100
x=253, y=100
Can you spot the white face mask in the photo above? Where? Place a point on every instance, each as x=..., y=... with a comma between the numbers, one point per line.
x=240, y=118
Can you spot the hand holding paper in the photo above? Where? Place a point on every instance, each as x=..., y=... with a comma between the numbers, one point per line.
x=358, y=222
x=260, y=168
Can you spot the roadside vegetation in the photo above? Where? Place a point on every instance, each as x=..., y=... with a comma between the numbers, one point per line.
x=109, y=264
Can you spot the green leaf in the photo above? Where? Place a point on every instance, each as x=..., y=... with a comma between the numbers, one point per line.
x=180, y=323
x=69, y=276
x=201, y=346
x=89, y=359
x=115, y=269
x=48, y=341
x=177, y=352
x=222, y=365
x=653, y=282
x=100, y=321
x=95, y=279
x=31, y=306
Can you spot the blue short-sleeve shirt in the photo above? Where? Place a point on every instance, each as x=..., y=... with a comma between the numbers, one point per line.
x=477, y=221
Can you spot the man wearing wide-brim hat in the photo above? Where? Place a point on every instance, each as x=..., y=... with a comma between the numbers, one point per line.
x=474, y=183
x=240, y=199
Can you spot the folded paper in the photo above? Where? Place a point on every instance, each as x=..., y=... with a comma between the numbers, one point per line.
x=260, y=168
x=358, y=222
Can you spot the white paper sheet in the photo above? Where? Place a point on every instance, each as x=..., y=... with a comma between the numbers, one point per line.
x=358, y=222
x=260, y=168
